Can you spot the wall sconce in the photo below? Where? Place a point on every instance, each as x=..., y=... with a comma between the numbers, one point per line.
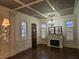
x=5, y=24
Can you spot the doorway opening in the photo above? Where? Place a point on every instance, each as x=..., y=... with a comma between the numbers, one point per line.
x=34, y=35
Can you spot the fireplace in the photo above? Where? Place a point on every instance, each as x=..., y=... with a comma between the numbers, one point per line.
x=54, y=43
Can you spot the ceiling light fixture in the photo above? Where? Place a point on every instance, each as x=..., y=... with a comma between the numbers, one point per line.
x=51, y=23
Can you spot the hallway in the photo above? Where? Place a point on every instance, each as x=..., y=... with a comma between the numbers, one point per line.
x=45, y=52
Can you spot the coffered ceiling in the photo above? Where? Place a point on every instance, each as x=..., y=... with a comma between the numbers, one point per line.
x=41, y=8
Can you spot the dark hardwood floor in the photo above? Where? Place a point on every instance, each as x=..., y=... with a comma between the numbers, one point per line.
x=45, y=52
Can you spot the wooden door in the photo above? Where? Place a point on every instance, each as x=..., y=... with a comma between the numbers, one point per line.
x=34, y=36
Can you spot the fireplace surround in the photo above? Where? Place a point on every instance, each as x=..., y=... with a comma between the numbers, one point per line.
x=55, y=41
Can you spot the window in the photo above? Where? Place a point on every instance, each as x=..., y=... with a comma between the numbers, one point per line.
x=69, y=24
x=23, y=29
x=43, y=31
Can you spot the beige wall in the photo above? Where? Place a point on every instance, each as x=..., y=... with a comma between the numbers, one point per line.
x=4, y=45
x=16, y=43
x=77, y=17
x=25, y=43
x=60, y=21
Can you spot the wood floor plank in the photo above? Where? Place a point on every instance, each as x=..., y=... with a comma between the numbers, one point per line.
x=45, y=52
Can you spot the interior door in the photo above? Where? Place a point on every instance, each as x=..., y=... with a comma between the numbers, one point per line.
x=34, y=36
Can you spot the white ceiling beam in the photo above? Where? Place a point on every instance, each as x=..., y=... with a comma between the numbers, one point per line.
x=18, y=1
x=25, y=5
x=50, y=5
x=66, y=9
x=38, y=12
x=37, y=1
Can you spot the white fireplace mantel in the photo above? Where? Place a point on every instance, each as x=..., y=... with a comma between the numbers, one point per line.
x=55, y=37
